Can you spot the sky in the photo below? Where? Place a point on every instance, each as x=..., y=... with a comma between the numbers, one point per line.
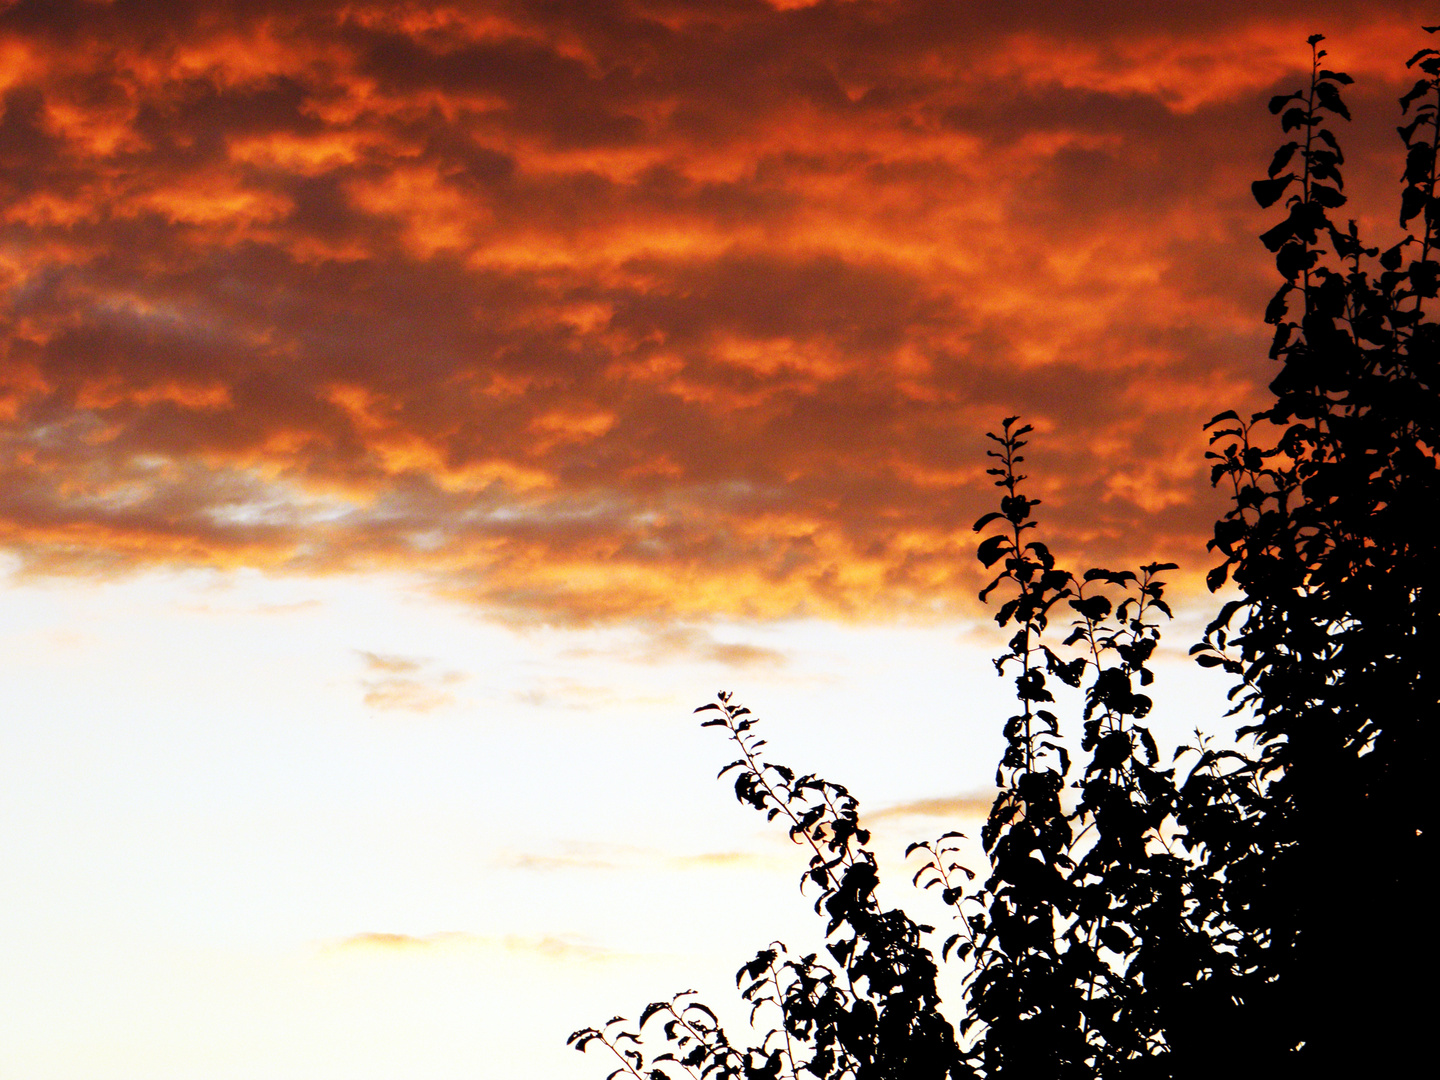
x=409, y=412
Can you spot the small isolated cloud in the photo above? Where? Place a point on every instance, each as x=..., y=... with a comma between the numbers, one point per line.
x=662, y=643
x=671, y=642
x=378, y=940
x=974, y=805
x=394, y=665
x=278, y=611
x=719, y=860
x=737, y=654
x=550, y=946
x=403, y=683
x=529, y=860
x=553, y=947
x=607, y=857
x=582, y=697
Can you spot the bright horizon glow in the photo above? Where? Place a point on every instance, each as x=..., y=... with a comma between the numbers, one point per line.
x=220, y=860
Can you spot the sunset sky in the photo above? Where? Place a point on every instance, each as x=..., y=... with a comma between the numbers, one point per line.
x=410, y=412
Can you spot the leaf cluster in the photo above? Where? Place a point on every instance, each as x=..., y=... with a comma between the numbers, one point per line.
x=1101, y=919
x=699, y=1048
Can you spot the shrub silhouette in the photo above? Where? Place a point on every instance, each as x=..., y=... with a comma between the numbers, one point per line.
x=1249, y=910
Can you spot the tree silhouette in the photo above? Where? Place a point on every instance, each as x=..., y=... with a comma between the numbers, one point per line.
x=1245, y=910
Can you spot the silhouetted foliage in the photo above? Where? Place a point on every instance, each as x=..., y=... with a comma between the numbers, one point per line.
x=1330, y=536
x=1251, y=910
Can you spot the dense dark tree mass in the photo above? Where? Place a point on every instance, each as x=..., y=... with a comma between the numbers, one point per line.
x=1252, y=911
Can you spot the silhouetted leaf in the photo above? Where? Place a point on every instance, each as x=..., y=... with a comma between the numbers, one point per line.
x=993, y=549
x=1327, y=196
x=1281, y=159
x=1274, y=238
x=994, y=515
x=1216, y=577
x=1293, y=259
x=1327, y=96
x=1266, y=192
x=1424, y=278
x=1412, y=201
x=1276, y=309
x=1419, y=164
x=1419, y=90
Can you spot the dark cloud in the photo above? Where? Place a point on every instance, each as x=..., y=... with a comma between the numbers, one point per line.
x=664, y=309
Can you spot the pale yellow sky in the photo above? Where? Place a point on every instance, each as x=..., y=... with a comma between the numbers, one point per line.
x=294, y=827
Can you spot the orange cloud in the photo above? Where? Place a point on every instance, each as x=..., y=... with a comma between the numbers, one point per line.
x=659, y=310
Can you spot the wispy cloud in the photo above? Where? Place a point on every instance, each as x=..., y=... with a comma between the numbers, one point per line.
x=549, y=947
x=389, y=665
x=612, y=857
x=405, y=683
x=667, y=643
x=559, y=693
x=974, y=805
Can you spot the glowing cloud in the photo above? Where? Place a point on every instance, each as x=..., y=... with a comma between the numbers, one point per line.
x=664, y=309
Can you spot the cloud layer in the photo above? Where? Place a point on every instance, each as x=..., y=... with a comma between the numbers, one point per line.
x=659, y=307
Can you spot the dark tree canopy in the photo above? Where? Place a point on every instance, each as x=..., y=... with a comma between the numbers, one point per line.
x=1254, y=910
